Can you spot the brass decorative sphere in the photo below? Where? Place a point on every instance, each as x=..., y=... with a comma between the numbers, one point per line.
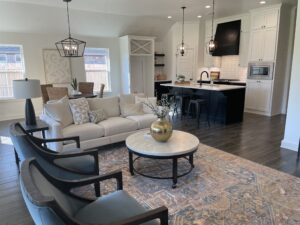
x=161, y=130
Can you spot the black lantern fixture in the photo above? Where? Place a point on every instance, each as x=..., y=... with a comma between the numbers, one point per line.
x=212, y=44
x=182, y=45
x=70, y=47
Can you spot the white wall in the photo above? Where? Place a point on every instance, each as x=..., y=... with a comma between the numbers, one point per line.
x=172, y=40
x=292, y=128
x=33, y=44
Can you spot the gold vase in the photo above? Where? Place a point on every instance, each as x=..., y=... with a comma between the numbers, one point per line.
x=161, y=130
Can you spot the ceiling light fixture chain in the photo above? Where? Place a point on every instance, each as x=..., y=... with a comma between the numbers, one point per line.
x=70, y=47
x=182, y=46
x=212, y=21
x=212, y=44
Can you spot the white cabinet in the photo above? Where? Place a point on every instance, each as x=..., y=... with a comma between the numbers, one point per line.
x=258, y=96
x=265, y=19
x=263, y=44
x=137, y=64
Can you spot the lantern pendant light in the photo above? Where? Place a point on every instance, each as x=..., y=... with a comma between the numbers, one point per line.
x=70, y=47
x=212, y=44
x=182, y=45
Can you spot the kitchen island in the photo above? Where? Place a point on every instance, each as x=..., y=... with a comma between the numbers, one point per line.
x=225, y=102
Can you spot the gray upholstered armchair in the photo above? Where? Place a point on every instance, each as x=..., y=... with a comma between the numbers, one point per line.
x=69, y=166
x=51, y=202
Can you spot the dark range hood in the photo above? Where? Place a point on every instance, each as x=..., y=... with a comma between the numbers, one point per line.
x=228, y=38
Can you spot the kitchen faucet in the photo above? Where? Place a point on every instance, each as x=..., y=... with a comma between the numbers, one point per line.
x=201, y=76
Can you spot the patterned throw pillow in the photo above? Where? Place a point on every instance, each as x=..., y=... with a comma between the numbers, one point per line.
x=80, y=110
x=97, y=116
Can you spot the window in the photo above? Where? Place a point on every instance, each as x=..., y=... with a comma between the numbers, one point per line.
x=11, y=68
x=97, y=67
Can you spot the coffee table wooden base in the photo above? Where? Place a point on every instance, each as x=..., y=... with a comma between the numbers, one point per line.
x=189, y=156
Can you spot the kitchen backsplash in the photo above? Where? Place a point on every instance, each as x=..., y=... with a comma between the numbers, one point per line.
x=230, y=69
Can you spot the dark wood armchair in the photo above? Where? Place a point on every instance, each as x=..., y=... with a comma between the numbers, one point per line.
x=73, y=165
x=86, y=87
x=50, y=200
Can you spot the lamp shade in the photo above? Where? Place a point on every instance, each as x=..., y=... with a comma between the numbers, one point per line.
x=26, y=89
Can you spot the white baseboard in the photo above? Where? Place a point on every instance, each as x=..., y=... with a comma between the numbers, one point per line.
x=289, y=145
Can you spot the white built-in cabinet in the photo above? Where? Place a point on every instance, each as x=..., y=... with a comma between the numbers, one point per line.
x=137, y=64
x=258, y=95
x=263, y=48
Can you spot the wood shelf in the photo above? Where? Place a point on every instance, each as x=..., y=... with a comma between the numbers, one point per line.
x=159, y=65
x=159, y=55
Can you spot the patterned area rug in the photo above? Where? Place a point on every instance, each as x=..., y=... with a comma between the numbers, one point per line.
x=223, y=189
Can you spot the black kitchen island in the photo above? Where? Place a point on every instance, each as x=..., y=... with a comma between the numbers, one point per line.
x=225, y=102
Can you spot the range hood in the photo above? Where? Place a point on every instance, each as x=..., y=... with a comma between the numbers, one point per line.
x=228, y=38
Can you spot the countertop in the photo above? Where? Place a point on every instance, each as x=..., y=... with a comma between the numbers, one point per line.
x=208, y=87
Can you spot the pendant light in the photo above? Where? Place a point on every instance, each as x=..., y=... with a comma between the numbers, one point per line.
x=70, y=47
x=182, y=45
x=212, y=44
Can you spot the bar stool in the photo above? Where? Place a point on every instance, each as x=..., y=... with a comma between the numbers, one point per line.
x=199, y=103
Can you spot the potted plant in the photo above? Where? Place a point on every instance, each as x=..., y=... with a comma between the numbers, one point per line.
x=161, y=130
x=181, y=78
x=74, y=85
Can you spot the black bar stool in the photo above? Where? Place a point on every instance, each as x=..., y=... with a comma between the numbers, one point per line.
x=198, y=104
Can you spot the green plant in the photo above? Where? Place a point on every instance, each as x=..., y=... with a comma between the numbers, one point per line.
x=162, y=108
x=74, y=84
x=180, y=76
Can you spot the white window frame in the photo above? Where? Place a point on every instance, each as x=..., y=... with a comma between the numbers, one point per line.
x=7, y=71
x=108, y=86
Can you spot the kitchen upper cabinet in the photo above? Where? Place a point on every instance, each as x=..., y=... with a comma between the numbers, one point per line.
x=258, y=95
x=264, y=19
x=263, y=44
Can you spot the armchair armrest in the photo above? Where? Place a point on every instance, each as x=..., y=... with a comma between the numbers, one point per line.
x=160, y=213
x=75, y=138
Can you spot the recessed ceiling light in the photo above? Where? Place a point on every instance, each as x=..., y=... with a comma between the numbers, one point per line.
x=169, y=17
x=207, y=6
x=199, y=16
x=262, y=2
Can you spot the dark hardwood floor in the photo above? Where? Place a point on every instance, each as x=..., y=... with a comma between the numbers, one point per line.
x=257, y=139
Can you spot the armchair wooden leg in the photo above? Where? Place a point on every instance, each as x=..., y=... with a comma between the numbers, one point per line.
x=97, y=189
x=298, y=154
x=164, y=218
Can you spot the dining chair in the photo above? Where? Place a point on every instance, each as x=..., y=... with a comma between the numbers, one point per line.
x=101, y=90
x=45, y=96
x=56, y=93
x=86, y=87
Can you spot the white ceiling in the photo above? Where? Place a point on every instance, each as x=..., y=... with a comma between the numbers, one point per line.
x=112, y=17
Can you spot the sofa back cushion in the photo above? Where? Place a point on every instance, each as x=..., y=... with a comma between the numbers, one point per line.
x=109, y=104
x=151, y=101
x=60, y=111
x=129, y=98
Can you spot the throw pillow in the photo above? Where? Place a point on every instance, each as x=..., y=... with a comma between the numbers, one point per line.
x=131, y=109
x=59, y=111
x=97, y=116
x=146, y=109
x=80, y=110
x=129, y=98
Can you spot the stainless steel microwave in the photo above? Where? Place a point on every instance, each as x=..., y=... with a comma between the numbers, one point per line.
x=260, y=70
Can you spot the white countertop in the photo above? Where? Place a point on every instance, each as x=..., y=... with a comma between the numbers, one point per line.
x=208, y=87
x=179, y=143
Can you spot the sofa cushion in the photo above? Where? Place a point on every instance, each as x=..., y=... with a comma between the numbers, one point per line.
x=131, y=109
x=80, y=110
x=118, y=125
x=151, y=101
x=111, y=209
x=59, y=111
x=144, y=121
x=97, y=115
x=109, y=104
x=85, y=131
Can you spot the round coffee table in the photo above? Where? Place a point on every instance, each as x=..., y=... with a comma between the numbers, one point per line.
x=180, y=145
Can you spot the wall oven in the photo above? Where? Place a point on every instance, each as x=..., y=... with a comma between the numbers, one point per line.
x=260, y=70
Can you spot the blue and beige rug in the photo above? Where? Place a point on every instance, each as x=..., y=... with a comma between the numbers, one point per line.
x=223, y=189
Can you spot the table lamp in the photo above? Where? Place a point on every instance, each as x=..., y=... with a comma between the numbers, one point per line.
x=27, y=89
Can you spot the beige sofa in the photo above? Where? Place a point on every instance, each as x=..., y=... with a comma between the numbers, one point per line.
x=115, y=128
